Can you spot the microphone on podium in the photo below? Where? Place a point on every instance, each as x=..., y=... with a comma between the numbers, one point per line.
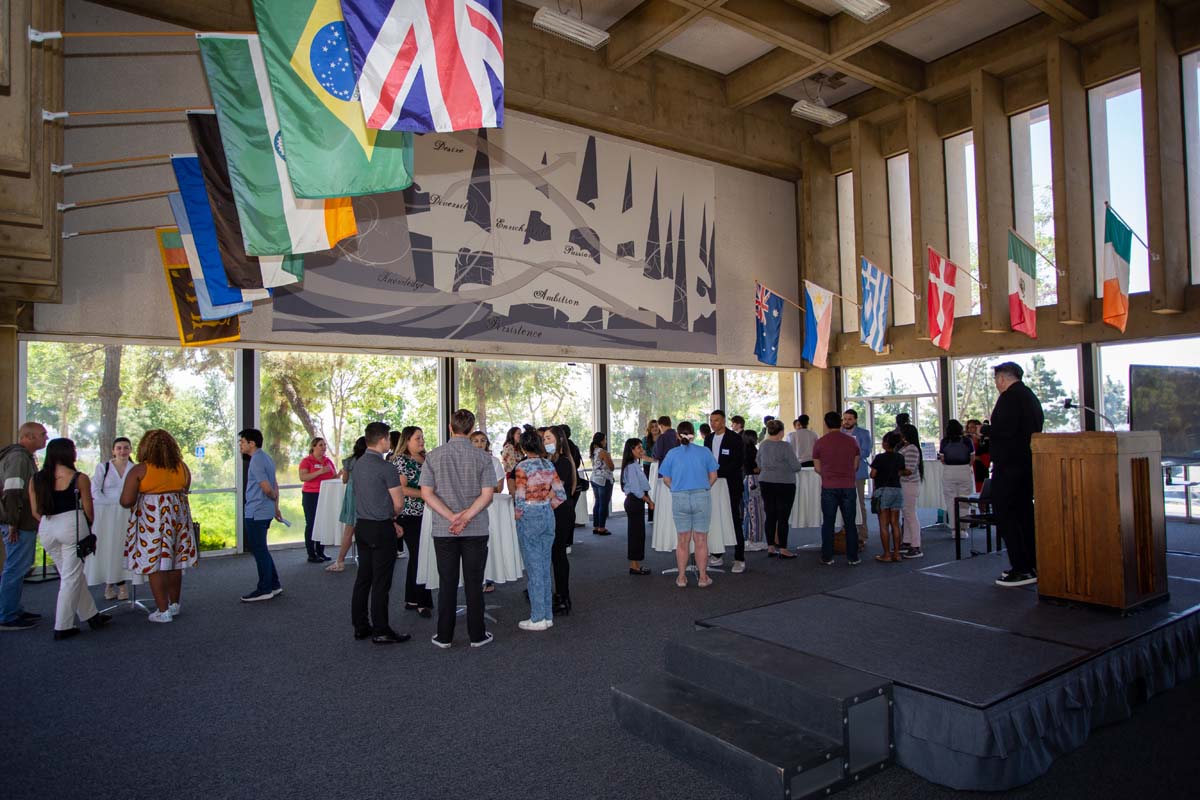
x=1069, y=403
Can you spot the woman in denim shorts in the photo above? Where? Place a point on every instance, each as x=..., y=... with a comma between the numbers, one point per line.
x=886, y=469
x=689, y=471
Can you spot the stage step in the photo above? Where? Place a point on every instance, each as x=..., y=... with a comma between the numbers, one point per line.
x=838, y=702
x=747, y=750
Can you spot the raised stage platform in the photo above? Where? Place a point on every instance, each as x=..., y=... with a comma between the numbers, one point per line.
x=989, y=685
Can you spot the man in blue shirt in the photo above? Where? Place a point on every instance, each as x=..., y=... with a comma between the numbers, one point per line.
x=866, y=446
x=260, y=507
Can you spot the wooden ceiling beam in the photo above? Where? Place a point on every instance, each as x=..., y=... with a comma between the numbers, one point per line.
x=1072, y=11
x=779, y=23
x=886, y=68
x=848, y=35
x=764, y=76
x=643, y=30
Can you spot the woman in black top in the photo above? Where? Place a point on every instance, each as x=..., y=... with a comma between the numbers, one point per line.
x=559, y=454
x=886, y=470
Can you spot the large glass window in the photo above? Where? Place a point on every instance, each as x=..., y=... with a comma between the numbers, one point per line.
x=92, y=393
x=961, y=219
x=754, y=395
x=900, y=224
x=1119, y=170
x=847, y=258
x=334, y=396
x=1191, y=119
x=878, y=394
x=636, y=394
x=1033, y=193
x=507, y=393
x=1053, y=375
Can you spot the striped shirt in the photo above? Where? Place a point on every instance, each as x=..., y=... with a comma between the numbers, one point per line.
x=912, y=462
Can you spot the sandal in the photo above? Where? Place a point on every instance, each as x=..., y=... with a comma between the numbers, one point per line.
x=884, y=557
x=705, y=583
x=336, y=566
x=681, y=583
x=897, y=558
x=488, y=586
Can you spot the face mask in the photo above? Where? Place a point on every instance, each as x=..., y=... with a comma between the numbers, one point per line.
x=550, y=448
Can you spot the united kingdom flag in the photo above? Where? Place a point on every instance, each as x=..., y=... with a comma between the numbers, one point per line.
x=428, y=65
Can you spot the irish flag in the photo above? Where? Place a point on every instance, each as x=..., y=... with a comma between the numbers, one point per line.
x=1118, y=243
x=818, y=319
x=1022, y=286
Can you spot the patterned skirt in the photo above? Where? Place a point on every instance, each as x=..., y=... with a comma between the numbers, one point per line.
x=161, y=536
x=754, y=517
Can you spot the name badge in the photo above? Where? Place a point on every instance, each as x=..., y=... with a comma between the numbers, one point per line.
x=724, y=451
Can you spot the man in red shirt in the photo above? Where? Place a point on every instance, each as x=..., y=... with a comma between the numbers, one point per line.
x=835, y=458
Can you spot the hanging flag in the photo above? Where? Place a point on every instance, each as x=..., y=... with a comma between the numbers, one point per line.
x=208, y=310
x=273, y=221
x=768, y=317
x=1022, y=286
x=330, y=150
x=818, y=320
x=194, y=197
x=428, y=65
x=1118, y=247
x=193, y=331
x=245, y=271
x=876, y=302
x=943, y=280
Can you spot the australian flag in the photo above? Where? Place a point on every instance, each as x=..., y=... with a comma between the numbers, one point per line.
x=768, y=316
x=428, y=65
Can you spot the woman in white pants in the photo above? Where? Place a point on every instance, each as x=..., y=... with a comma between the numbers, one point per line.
x=910, y=485
x=957, y=455
x=61, y=500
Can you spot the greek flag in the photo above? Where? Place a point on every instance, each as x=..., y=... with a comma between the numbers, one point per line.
x=876, y=300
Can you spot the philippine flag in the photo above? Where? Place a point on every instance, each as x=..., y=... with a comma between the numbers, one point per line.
x=428, y=65
x=818, y=319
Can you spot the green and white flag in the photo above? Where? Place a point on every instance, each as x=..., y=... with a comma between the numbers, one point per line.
x=1118, y=247
x=274, y=221
x=1022, y=286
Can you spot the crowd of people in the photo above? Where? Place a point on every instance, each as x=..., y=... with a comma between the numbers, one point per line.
x=131, y=521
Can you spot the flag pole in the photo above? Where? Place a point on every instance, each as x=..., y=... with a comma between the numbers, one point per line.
x=105, y=201
x=54, y=116
x=35, y=35
x=60, y=168
x=1031, y=246
x=1117, y=214
x=784, y=298
x=98, y=231
x=962, y=271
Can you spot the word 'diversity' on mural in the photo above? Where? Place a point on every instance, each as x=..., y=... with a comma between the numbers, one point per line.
x=532, y=234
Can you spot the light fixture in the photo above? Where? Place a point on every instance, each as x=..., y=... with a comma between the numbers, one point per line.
x=817, y=111
x=864, y=10
x=569, y=28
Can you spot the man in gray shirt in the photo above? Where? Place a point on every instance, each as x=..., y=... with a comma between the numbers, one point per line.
x=457, y=483
x=377, y=501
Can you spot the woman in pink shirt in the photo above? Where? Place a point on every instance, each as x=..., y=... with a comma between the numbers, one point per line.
x=314, y=468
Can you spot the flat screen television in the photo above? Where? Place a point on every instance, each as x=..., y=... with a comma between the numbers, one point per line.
x=1167, y=400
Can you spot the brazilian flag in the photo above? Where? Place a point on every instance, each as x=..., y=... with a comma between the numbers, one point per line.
x=330, y=151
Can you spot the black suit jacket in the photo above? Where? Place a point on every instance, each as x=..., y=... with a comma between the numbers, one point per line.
x=732, y=458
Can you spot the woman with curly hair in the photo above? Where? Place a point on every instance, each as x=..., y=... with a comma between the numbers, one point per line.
x=161, y=542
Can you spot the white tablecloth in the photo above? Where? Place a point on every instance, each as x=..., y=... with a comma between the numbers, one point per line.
x=806, y=508
x=931, y=487
x=504, y=562
x=720, y=529
x=582, y=510
x=327, y=527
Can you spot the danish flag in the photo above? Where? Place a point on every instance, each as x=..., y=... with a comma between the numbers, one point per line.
x=428, y=65
x=943, y=277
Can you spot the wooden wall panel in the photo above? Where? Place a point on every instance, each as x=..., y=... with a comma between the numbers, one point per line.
x=993, y=196
x=927, y=197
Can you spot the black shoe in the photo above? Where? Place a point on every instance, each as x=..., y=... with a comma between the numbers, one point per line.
x=391, y=637
x=99, y=621
x=19, y=624
x=639, y=571
x=316, y=560
x=563, y=609
x=1016, y=579
x=360, y=634
x=67, y=634
x=324, y=557
x=29, y=616
x=425, y=612
x=411, y=606
x=827, y=562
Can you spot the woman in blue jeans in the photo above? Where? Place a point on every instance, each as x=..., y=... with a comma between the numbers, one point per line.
x=539, y=491
x=602, y=483
x=689, y=471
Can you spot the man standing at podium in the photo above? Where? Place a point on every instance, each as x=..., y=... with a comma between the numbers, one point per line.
x=1017, y=416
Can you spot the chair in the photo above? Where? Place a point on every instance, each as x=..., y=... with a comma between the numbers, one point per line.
x=982, y=516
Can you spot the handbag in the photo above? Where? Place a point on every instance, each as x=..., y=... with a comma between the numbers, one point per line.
x=876, y=502
x=87, y=545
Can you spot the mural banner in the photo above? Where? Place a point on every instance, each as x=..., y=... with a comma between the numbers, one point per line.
x=531, y=234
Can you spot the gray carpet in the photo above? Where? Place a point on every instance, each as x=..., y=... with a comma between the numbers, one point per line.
x=276, y=700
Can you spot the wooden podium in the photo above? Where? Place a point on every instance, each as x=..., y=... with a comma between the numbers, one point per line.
x=1101, y=531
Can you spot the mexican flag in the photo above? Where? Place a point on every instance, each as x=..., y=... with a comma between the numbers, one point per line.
x=329, y=149
x=1118, y=243
x=1022, y=286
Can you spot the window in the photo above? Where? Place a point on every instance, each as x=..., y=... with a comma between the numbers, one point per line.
x=846, y=251
x=1119, y=170
x=1053, y=375
x=507, y=393
x=637, y=394
x=961, y=219
x=334, y=396
x=1033, y=194
x=188, y=392
x=900, y=223
x=878, y=394
x=754, y=395
x=1191, y=120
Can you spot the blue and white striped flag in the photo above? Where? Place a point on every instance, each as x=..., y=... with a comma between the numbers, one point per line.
x=876, y=300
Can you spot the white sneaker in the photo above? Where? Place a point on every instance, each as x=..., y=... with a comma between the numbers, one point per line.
x=160, y=616
x=486, y=640
x=530, y=625
x=439, y=643
x=110, y=592
x=173, y=610
x=716, y=561
x=739, y=567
